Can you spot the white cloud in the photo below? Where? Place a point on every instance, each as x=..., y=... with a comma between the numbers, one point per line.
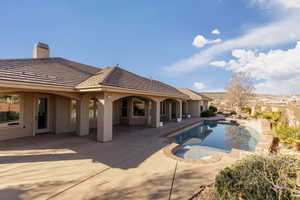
x=216, y=32
x=218, y=63
x=283, y=3
x=200, y=41
x=199, y=86
x=278, y=71
x=279, y=32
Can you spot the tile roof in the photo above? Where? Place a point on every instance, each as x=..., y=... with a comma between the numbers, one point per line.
x=66, y=73
x=50, y=71
x=118, y=77
x=193, y=95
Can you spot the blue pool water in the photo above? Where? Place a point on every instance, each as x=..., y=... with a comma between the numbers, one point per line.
x=223, y=136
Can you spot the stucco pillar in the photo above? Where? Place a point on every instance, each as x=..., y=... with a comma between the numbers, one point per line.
x=104, y=118
x=179, y=109
x=149, y=112
x=156, y=114
x=169, y=111
x=187, y=108
x=83, y=116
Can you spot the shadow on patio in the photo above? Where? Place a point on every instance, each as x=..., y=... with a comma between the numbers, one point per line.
x=155, y=187
x=129, y=143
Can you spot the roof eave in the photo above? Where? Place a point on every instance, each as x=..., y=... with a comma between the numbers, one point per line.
x=34, y=86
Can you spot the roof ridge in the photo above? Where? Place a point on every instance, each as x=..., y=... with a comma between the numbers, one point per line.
x=109, y=73
x=77, y=63
x=134, y=74
x=99, y=72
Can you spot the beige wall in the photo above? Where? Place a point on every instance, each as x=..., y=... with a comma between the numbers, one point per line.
x=205, y=105
x=59, y=117
x=62, y=116
x=194, y=108
x=130, y=120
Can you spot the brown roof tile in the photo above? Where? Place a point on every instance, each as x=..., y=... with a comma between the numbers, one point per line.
x=193, y=95
x=66, y=73
x=118, y=77
x=51, y=71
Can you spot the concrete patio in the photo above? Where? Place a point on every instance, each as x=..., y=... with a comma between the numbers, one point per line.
x=132, y=166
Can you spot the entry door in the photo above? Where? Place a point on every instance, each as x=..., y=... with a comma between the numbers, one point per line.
x=42, y=114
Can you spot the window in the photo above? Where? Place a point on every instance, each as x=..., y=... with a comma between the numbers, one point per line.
x=92, y=109
x=10, y=108
x=163, y=108
x=138, y=107
x=125, y=107
x=73, y=111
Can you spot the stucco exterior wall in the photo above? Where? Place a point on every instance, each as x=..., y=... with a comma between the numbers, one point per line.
x=194, y=108
x=62, y=116
x=59, y=117
x=205, y=105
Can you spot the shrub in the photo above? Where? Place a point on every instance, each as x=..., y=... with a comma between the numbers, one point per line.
x=208, y=113
x=246, y=110
x=287, y=134
x=213, y=109
x=273, y=117
x=260, y=178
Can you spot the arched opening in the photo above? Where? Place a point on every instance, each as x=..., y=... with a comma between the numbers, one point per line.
x=171, y=110
x=111, y=116
x=133, y=111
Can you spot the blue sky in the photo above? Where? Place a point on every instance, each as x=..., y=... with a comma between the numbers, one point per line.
x=154, y=38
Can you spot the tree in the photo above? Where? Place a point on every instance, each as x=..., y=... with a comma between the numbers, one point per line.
x=240, y=90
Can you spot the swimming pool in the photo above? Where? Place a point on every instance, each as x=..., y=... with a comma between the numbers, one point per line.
x=204, y=140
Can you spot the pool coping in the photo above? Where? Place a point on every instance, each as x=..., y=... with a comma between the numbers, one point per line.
x=169, y=150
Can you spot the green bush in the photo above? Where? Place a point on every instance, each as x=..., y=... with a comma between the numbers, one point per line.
x=287, y=134
x=259, y=178
x=213, y=109
x=257, y=115
x=208, y=113
x=273, y=117
x=246, y=110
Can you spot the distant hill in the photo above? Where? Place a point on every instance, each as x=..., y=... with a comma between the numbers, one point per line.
x=222, y=95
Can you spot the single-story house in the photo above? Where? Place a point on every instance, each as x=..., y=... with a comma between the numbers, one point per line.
x=54, y=95
x=195, y=105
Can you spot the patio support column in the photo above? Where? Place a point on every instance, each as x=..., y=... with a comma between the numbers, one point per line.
x=170, y=111
x=187, y=108
x=179, y=109
x=104, y=118
x=83, y=116
x=156, y=114
x=148, y=112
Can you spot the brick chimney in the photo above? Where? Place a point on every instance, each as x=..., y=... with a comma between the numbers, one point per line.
x=41, y=50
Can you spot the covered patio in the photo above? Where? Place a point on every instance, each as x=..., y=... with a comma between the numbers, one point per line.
x=102, y=115
x=59, y=166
